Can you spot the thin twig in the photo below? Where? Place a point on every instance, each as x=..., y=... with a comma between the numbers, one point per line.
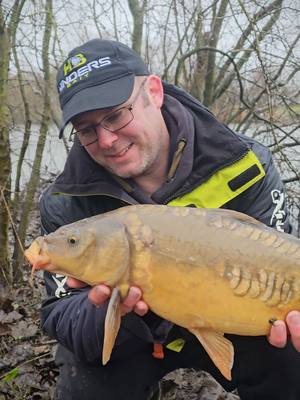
x=2, y=189
x=26, y=362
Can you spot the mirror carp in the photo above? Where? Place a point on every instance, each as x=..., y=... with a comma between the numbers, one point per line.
x=211, y=271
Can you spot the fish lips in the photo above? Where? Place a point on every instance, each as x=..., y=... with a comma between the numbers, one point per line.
x=34, y=256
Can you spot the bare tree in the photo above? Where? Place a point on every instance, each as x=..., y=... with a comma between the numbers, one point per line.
x=137, y=9
x=8, y=23
x=44, y=127
x=27, y=117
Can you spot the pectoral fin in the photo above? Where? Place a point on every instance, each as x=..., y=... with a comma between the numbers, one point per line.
x=111, y=325
x=219, y=349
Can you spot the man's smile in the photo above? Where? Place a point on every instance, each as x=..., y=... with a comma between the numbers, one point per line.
x=120, y=153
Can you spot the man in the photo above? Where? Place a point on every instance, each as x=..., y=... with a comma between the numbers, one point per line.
x=138, y=140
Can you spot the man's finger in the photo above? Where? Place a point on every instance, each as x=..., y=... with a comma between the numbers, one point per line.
x=141, y=308
x=99, y=294
x=75, y=283
x=278, y=334
x=293, y=322
x=133, y=296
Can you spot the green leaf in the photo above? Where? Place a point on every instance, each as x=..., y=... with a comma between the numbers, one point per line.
x=11, y=375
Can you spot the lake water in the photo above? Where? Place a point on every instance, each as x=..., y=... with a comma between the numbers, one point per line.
x=54, y=156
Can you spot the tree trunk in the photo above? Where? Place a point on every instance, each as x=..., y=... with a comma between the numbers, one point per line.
x=197, y=81
x=137, y=11
x=5, y=165
x=35, y=173
x=27, y=118
x=211, y=62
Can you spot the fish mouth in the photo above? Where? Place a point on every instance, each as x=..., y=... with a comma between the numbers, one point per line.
x=34, y=256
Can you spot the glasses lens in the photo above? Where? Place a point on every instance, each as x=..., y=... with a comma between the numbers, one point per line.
x=117, y=120
x=87, y=136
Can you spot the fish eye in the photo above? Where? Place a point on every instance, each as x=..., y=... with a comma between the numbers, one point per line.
x=72, y=240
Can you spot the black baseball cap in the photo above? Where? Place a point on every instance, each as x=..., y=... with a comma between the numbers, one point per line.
x=98, y=74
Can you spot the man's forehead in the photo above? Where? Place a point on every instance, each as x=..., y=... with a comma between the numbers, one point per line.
x=94, y=115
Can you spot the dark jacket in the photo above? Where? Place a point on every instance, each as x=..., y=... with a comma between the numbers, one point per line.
x=200, y=146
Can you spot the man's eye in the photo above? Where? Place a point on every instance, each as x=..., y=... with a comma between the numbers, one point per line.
x=110, y=119
x=86, y=131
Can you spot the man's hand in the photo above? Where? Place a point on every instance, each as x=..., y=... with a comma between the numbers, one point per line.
x=279, y=331
x=100, y=293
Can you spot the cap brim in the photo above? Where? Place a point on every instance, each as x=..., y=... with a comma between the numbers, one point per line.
x=107, y=95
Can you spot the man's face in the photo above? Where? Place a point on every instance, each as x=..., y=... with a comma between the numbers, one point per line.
x=140, y=147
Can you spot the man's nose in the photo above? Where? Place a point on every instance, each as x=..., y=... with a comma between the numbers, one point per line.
x=106, y=138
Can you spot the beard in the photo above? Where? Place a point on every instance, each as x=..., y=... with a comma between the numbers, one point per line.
x=148, y=163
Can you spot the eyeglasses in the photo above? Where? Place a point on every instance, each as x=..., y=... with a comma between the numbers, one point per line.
x=112, y=122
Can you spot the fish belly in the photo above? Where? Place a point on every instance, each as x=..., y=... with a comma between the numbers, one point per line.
x=198, y=298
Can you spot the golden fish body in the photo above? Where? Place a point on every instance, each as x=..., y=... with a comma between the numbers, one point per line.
x=208, y=270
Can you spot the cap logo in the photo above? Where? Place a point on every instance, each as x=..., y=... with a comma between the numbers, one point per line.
x=73, y=74
x=74, y=62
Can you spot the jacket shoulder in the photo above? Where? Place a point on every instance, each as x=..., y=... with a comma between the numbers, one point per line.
x=53, y=210
x=61, y=209
x=266, y=199
x=261, y=151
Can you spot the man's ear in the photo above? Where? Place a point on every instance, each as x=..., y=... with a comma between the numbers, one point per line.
x=155, y=90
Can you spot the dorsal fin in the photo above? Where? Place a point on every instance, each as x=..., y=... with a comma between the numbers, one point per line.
x=236, y=215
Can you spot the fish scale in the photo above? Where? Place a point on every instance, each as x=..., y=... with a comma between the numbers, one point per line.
x=211, y=271
x=273, y=289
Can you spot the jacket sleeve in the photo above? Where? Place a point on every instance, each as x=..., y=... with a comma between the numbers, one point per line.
x=266, y=199
x=67, y=314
